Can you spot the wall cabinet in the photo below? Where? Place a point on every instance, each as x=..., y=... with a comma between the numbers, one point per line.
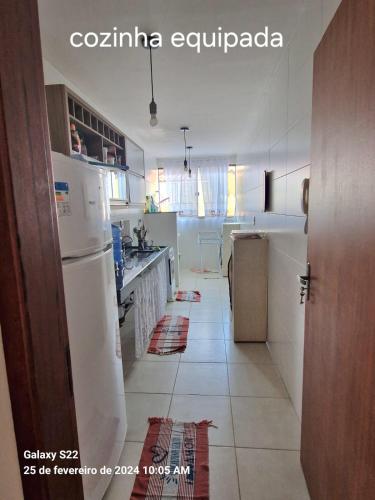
x=99, y=137
x=136, y=173
x=135, y=159
x=100, y=141
x=137, y=188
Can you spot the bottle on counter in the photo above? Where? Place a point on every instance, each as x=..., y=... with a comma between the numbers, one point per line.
x=154, y=207
x=148, y=205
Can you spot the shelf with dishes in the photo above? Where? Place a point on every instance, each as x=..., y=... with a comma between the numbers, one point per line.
x=75, y=127
x=78, y=130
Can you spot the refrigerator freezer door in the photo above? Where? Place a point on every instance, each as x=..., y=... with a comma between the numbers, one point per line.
x=95, y=351
x=81, y=192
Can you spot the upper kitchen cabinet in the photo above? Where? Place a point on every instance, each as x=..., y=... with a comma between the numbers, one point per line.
x=75, y=127
x=136, y=173
x=135, y=158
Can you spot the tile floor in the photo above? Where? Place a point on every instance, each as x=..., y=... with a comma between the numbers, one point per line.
x=254, y=449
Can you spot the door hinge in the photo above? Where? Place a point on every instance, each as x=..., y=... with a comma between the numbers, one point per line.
x=305, y=281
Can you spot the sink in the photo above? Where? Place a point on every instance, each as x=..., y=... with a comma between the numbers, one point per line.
x=141, y=254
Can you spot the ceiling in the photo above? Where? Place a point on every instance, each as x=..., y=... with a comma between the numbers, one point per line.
x=213, y=93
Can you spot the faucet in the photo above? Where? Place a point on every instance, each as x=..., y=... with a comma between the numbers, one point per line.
x=140, y=232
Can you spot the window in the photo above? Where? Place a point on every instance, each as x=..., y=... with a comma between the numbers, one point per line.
x=209, y=192
x=231, y=190
x=201, y=205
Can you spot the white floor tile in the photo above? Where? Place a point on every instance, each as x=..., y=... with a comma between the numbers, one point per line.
x=265, y=423
x=122, y=485
x=178, y=308
x=206, y=331
x=207, y=299
x=270, y=475
x=204, y=351
x=147, y=376
x=202, y=378
x=223, y=474
x=139, y=407
x=242, y=352
x=187, y=284
x=227, y=315
x=255, y=380
x=228, y=333
x=206, y=315
x=207, y=304
x=215, y=408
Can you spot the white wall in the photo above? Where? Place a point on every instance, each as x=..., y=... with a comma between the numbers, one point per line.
x=188, y=229
x=10, y=479
x=282, y=145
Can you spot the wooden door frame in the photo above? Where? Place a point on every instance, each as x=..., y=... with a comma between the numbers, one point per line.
x=32, y=306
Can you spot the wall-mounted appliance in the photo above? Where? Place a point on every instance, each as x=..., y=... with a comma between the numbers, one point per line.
x=266, y=194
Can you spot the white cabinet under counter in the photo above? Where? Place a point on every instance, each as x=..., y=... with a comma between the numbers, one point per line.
x=163, y=230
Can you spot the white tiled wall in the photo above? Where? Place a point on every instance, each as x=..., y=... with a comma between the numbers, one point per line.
x=282, y=145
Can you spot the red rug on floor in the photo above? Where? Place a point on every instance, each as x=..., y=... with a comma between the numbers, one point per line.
x=169, y=335
x=174, y=461
x=193, y=296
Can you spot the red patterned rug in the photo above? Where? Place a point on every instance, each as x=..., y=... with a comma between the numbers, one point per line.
x=193, y=296
x=169, y=335
x=174, y=461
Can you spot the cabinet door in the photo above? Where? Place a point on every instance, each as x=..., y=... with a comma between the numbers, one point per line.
x=135, y=157
x=117, y=184
x=137, y=188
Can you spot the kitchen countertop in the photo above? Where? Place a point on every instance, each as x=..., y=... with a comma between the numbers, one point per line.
x=140, y=266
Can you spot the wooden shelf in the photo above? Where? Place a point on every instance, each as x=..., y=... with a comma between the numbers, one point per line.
x=93, y=131
x=64, y=108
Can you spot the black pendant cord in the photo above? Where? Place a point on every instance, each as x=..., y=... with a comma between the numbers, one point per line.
x=185, y=144
x=189, y=148
x=152, y=75
x=184, y=130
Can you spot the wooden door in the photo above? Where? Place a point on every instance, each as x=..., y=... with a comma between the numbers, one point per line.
x=338, y=421
x=32, y=307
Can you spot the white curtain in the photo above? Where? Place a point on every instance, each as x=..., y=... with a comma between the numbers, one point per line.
x=150, y=302
x=214, y=175
x=179, y=192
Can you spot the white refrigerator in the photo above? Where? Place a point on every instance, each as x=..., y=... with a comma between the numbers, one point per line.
x=90, y=295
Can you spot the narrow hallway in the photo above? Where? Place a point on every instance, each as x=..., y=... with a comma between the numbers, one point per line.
x=254, y=451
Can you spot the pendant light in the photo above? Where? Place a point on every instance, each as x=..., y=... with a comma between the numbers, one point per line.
x=153, y=107
x=184, y=130
x=189, y=148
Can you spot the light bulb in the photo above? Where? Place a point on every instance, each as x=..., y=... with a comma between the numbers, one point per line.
x=153, y=111
x=153, y=121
